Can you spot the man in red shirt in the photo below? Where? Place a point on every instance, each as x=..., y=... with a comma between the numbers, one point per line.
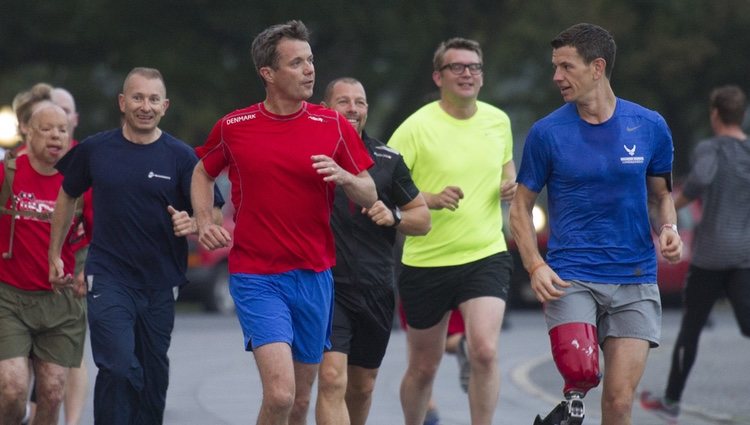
x=285, y=157
x=49, y=326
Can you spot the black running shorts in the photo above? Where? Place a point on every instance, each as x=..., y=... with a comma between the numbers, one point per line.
x=427, y=293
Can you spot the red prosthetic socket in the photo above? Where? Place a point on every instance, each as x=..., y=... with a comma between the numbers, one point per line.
x=575, y=349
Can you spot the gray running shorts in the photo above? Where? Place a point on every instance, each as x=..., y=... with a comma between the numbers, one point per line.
x=622, y=311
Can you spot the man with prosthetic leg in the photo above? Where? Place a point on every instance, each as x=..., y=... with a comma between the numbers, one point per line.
x=598, y=282
x=575, y=349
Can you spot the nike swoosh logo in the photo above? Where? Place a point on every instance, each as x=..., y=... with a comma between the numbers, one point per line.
x=96, y=295
x=632, y=128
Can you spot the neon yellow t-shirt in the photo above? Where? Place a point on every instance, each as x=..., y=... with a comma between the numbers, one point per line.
x=444, y=151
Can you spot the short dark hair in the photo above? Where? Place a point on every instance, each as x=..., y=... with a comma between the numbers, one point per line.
x=454, y=43
x=150, y=73
x=730, y=102
x=329, y=88
x=591, y=41
x=263, y=49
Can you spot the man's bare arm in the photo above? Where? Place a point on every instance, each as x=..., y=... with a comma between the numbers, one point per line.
x=62, y=218
x=210, y=232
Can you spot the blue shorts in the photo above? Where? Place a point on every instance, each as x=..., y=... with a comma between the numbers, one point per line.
x=294, y=307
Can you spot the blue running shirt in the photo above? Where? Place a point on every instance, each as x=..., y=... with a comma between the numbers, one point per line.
x=596, y=187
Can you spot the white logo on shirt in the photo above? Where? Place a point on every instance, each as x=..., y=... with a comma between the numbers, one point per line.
x=382, y=155
x=634, y=128
x=241, y=118
x=152, y=175
x=631, y=159
x=27, y=201
x=318, y=119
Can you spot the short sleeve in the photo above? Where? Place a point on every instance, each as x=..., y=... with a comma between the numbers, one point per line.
x=212, y=152
x=507, y=135
x=354, y=158
x=661, y=160
x=535, y=166
x=705, y=163
x=403, y=141
x=74, y=166
x=404, y=189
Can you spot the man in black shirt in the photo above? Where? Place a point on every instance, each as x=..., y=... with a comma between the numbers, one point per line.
x=364, y=271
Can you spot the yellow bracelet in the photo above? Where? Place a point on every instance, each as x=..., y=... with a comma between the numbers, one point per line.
x=535, y=267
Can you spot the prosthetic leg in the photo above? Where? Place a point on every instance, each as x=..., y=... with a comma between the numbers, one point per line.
x=575, y=349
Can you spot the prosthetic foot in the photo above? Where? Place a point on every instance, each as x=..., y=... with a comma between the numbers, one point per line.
x=575, y=350
x=569, y=412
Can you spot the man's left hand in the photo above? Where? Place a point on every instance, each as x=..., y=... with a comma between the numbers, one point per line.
x=330, y=170
x=670, y=245
x=182, y=223
x=380, y=214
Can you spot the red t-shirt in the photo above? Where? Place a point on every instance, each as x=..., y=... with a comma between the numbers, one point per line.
x=282, y=205
x=84, y=230
x=28, y=268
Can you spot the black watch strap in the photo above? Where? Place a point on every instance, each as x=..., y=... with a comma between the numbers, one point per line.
x=396, y=216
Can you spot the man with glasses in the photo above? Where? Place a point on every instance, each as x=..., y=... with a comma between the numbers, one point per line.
x=459, y=151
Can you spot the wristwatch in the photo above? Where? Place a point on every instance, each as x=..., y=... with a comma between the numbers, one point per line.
x=396, y=216
x=669, y=226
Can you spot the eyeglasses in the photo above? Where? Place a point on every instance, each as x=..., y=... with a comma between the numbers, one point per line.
x=459, y=68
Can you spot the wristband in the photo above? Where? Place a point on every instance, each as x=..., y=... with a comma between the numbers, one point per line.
x=668, y=226
x=535, y=267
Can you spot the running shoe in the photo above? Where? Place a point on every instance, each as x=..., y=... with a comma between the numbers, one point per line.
x=669, y=411
x=432, y=417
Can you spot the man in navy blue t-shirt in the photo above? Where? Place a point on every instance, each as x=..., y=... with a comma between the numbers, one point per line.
x=140, y=177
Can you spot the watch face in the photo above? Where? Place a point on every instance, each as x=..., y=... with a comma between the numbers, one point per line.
x=396, y=216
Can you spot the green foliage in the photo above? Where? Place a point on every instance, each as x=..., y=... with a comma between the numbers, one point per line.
x=670, y=53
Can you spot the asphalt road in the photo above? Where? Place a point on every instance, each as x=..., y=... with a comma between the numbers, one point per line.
x=213, y=381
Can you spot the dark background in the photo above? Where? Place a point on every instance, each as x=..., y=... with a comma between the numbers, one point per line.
x=670, y=54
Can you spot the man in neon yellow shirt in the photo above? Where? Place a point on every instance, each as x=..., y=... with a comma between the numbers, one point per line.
x=459, y=151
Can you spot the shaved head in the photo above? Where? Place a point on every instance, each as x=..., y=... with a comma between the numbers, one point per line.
x=65, y=100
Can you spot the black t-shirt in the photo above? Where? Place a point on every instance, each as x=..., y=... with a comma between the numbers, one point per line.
x=364, y=250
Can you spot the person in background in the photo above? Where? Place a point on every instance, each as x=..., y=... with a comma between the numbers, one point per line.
x=598, y=283
x=77, y=385
x=459, y=151
x=37, y=320
x=364, y=297
x=720, y=179
x=23, y=106
x=287, y=156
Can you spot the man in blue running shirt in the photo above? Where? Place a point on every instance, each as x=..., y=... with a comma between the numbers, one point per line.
x=607, y=165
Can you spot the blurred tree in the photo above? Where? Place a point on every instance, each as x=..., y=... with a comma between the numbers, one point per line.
x=670, y=53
